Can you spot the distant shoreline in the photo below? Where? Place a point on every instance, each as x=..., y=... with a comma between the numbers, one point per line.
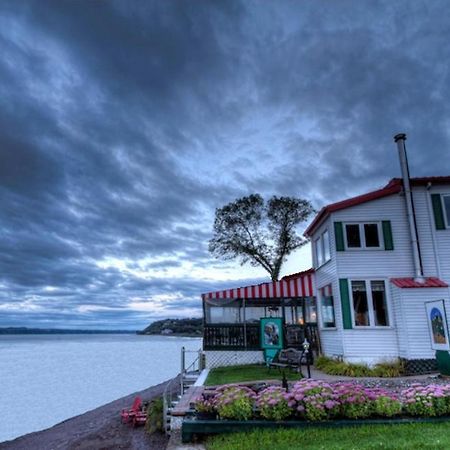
x=172, y=335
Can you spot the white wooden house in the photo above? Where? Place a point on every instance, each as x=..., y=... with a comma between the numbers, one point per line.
x=378, y=259
x=371, y=295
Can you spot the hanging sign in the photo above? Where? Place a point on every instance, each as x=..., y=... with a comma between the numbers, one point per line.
x=437, y=323
x=271, y=330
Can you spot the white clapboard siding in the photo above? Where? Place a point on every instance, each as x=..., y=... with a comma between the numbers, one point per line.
x=399, y=320
x=331, y=339
x=371, y=345
x=374, y=263
x=415, y=319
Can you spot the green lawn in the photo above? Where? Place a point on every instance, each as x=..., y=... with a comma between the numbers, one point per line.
x=434, y=436
x=250, y=372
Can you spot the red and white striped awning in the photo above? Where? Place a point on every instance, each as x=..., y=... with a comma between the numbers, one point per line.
x=297, y=285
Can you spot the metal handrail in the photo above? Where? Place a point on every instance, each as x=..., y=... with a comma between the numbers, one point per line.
x=169, y=391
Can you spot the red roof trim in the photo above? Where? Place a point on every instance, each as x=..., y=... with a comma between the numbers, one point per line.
x=393, y=187
x=406, y=283
x=293, y=276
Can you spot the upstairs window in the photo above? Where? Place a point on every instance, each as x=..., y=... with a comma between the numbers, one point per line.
x=362, y=235
x=322, y=249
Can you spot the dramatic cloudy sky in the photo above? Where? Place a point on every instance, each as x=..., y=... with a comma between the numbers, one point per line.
x=123, y=125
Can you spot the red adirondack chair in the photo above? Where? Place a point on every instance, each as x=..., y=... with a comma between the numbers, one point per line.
x=139, y=419
x=128, y=414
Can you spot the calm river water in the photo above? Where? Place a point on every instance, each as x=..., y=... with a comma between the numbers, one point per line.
x=45, y=379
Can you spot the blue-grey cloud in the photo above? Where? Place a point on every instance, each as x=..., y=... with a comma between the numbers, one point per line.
x=125, y=124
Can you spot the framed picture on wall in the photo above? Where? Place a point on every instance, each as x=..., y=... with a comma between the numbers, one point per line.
x=437, y=324
x=271, y=330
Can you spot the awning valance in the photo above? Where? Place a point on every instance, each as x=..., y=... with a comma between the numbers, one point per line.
x=297, y=285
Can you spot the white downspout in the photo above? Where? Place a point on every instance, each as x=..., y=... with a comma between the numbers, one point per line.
x=400, y=141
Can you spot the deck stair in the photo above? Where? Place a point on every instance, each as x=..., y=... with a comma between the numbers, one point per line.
x=181, y=391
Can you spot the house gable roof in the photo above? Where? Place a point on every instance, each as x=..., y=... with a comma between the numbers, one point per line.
x=394, y=186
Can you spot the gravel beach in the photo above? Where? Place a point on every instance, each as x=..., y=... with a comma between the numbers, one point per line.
x=100, y=428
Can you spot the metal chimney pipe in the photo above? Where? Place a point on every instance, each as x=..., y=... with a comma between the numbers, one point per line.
x=400, y=141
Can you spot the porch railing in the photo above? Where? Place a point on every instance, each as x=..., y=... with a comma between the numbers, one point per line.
x=231, y=337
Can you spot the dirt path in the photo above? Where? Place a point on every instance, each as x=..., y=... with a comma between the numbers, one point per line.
x=97, y=429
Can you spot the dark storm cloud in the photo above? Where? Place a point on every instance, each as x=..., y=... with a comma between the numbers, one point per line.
x=124, y=124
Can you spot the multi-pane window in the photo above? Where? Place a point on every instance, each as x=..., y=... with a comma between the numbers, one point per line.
x=322, y=248
x=327, y=307
x=369, y=303
x=362, y=235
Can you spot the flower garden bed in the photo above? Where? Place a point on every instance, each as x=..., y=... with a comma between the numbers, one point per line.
x=316, y=403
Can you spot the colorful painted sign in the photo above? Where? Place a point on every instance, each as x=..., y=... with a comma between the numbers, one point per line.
x=437, y=322
x=271, y=332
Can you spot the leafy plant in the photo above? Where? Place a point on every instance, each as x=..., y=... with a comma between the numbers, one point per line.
x=235, y=402
x=313, y=399
x=272, y=404
x=205, y=404
x=155, y=419
x=333, y=366
x=387, y=406
x=431, y=400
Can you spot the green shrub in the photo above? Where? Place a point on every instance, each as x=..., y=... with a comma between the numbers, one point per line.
x=235, y=402
x=155, y=419
x=333, y=366
x=387, y=406
x=272, y=404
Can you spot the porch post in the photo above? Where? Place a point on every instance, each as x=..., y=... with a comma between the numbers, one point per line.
x=283, y=319
x=245, y=325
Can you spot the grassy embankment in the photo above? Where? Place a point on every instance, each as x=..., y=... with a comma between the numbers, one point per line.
x=250, y=372
x=417, y=436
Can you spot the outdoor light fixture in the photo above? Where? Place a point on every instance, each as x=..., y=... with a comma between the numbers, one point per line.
x=305, y=346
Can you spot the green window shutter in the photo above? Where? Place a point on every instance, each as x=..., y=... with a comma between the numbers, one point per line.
x=339, y=236
x=387, y=235
x=437, y=210
x=345, y=302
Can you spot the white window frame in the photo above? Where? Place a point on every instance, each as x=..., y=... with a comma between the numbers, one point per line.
x=320, y=241
x=367, y=282
x=362, y=236
x=319, y=309
x=444, y=211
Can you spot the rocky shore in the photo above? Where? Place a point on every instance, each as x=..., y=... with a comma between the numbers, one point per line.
x=99, y=429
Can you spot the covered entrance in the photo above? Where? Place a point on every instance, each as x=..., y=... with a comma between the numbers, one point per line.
x=232, y=317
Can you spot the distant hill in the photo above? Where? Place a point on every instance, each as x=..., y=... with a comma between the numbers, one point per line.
x=175, y=327
x=24, y=330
